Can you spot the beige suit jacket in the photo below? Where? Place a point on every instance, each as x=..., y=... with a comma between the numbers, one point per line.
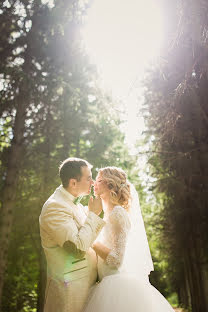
x=60, y=221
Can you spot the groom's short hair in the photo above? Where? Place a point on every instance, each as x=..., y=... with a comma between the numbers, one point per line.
x=70, y=168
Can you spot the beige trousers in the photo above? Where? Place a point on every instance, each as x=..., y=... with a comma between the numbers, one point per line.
x=71, y=297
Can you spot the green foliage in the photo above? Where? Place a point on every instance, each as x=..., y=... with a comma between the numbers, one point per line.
x=45, y=70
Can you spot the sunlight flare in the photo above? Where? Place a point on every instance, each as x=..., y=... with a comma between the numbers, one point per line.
x=121, y=39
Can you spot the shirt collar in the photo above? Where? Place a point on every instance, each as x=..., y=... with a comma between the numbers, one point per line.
x=67, y=194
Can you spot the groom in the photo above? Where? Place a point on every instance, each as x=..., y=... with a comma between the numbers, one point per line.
x=67, y=231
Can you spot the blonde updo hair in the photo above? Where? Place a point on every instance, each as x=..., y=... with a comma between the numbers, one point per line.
x=116, y=180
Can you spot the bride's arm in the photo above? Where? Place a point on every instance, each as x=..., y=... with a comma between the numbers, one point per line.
x=114, y=256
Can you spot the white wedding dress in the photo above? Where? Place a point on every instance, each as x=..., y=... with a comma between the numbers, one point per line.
x=119, y=291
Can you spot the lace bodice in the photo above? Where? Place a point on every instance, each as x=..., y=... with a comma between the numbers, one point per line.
x=114, y=236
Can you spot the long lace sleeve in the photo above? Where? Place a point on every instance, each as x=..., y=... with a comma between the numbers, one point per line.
x=120, y=228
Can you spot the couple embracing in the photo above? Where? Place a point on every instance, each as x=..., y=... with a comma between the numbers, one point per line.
x=81, y=248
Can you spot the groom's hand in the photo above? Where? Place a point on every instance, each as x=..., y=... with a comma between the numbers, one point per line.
x=95, y=205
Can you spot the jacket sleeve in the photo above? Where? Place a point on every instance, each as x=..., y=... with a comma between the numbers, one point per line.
x=61, y=227
x=73, y=250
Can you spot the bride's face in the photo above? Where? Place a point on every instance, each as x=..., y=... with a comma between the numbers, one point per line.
x=100, y=187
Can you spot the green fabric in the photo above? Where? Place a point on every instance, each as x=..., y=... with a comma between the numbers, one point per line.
x=77, y=200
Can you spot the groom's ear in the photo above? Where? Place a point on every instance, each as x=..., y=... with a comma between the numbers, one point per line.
x=72, y=183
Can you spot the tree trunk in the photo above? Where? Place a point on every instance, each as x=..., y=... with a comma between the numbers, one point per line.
x=205, y=282
x=43, y=189
x=10, y=187
x=184, y=291
x=41, y=282
x=198, y=303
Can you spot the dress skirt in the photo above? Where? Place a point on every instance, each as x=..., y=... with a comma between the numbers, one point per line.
x=124, y=293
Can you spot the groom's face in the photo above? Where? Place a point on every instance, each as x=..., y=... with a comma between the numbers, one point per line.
x=85, y=182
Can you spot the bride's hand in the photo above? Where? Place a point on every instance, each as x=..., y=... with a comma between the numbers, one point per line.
x=101, y=250
x=95, y=205
x=94, y=245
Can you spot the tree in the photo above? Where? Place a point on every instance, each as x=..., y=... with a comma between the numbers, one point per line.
x=32, y=64
x=176, y=114
x=51, y=108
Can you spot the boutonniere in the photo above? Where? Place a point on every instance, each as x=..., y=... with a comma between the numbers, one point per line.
x=77, y=200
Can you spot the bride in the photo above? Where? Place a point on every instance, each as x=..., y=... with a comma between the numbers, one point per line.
x=124, y=259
